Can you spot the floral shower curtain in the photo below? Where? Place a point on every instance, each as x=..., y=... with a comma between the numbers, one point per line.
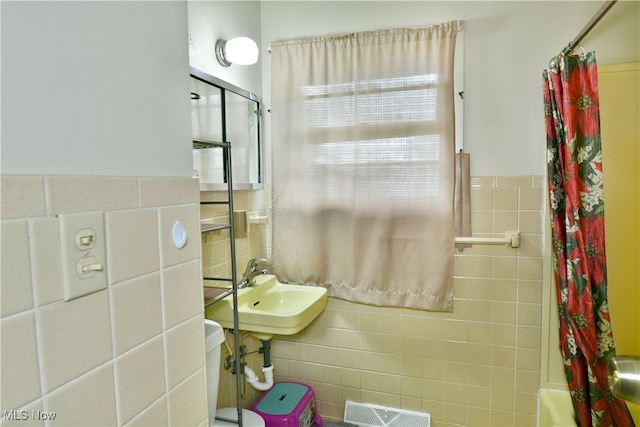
x=574, y=160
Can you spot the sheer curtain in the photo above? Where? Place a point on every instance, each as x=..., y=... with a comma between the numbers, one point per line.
x=363, y=165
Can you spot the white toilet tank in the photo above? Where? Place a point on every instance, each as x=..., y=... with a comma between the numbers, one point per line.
x=214, y=337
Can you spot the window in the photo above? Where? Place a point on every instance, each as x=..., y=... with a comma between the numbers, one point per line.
x=363, y=149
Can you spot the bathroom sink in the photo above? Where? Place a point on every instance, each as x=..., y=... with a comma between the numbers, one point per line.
x=268, y=307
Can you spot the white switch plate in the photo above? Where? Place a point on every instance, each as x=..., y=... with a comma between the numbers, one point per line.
x=84, y=260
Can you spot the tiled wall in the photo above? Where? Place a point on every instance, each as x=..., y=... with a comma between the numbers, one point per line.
x=132, y=354
x=477, y=366
x=216, y=262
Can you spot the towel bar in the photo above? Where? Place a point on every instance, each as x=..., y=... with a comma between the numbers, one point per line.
x=511, y=239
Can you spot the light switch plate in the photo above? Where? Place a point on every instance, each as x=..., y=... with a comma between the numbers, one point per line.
x=84, y=260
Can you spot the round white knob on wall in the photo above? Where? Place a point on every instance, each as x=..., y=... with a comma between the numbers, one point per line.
x=179, y=235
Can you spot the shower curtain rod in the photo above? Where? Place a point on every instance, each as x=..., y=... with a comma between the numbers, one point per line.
x=585, y=30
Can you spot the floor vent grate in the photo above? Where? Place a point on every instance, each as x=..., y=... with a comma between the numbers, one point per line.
x=367, y=415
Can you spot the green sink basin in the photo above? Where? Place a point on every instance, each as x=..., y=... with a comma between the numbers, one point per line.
x=269, y=307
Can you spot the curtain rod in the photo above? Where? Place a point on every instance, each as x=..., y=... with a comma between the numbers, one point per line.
x=585, y=30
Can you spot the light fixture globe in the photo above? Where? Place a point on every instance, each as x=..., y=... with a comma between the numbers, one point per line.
x=239, y=50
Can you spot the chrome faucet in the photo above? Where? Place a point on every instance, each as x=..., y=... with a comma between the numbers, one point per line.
x=252, y=271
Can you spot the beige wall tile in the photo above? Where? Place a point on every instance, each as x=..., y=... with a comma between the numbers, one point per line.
x=502, y=378
x=455, y=330
x=502, y=400
x=479, y=375
x=529, y=336
x=531, y=198
x=528, y=359
x=479, y=311
x=20, y=379
x=350, y=319
x=370, y=322
x=460, y=265
x=524, y=420
x=527, y=381
x=478, y=351
x=503, y=357
x=46, y=262
x=86, y=401
x=505, y=221
x=502, y=417
x=530, y=246
x=432, y=370
x=187, y=402
x=390, y=323
x=37, y=405
x=184, y=350
x=456, y=351
x=481, y=198
x=505, y=199
x=482, y=222
x=350, y=339
x=478, y=417
x=163, y=191
x=530, y=269
x=483, y=181
x=505, y=267
x=132, y=244
x=505, y=290
x=480, y=289
x=503, y=312
x=411, y=387
x=17, y=294
x=332, y=337
x=181, y=293
x=140, y=375
x=456, y=372
x=74, y=337
x=480, y=266
x=432, y=390
x=530, y=222
x=136, y=312
x=480, y=332
x=411, y=366
x=72, y=341
x=411, y=326
x=153, y=416
x=91, y=193
x=529, y=314
x=526, y=403
x=241, y=200
x=503, y=334
x=455, y=413
x=529, y=291
x=434, y=407
x=461, y=287
x=188, y=215
x=514, y=181
x=23, y=196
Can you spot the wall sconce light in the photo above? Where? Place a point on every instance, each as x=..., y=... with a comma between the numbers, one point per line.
x=239, y=50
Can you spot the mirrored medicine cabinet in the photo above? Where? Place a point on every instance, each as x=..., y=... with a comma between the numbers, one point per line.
x=224, y=113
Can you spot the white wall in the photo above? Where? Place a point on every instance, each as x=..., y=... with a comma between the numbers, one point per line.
x=507, y=45
x=210, y=21
x=98, y=89
x=95, y=88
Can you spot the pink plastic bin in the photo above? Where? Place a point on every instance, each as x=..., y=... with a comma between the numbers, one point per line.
x=288, y=404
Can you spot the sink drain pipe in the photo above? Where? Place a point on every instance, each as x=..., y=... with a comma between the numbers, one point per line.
x=267, y=368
